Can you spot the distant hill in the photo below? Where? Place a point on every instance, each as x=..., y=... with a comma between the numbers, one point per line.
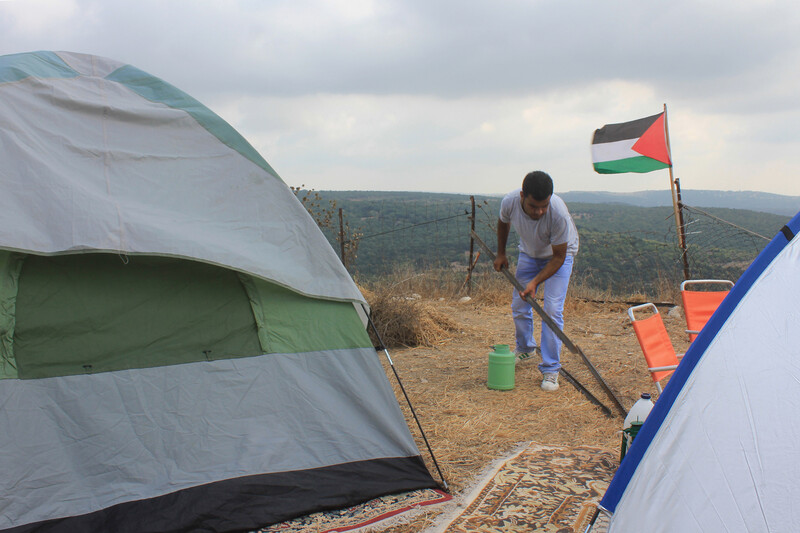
x=750, y=200
x=764, y=202
x=626, y=244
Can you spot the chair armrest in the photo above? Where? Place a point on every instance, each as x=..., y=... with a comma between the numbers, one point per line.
x=706, y=281
x=662, y=368
x=642, y=306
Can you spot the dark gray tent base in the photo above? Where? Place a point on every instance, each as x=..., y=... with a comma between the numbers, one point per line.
x=252, y=502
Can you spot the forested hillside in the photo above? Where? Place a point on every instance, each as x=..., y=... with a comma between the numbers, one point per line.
x=623, y=247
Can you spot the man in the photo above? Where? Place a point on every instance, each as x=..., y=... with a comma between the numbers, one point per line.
x=548, y=244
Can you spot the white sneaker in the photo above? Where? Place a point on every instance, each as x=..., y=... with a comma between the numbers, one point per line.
x=550, y=381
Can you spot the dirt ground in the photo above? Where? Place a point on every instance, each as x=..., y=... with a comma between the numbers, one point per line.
x=470, y=426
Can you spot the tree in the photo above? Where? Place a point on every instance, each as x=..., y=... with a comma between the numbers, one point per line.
x=326, y=215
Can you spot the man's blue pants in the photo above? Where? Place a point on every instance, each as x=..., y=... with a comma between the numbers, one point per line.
x=555, y=292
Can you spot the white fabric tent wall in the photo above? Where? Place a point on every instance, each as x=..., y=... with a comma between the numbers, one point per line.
x=720, y=450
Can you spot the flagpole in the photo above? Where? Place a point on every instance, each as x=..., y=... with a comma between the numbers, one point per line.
x=677, y=204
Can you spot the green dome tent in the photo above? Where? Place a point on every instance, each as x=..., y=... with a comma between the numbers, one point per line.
x=180, y=347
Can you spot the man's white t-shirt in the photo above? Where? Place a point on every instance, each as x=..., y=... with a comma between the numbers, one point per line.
x=536, y=237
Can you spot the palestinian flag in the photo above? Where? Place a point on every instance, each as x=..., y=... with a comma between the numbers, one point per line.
x=637, y=146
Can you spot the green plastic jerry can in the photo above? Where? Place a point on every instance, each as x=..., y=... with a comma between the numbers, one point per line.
x=501, y=368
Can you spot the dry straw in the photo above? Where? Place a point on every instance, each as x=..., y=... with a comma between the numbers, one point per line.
x=409, y=322
x=443, y=365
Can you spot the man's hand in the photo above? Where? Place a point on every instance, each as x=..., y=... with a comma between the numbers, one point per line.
x=530, y=289
x=500, y=262
x=552, y=266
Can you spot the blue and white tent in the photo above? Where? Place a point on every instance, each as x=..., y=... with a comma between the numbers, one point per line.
x=180, y=347
x=720, y=450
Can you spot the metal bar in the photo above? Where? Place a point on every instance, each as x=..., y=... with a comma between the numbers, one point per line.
x=408, y=400
x=677, y=203
x=583, y=390
x=471, y=247
x=341, y=237
x=555, y=329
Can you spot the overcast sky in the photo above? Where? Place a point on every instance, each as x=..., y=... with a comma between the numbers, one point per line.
x=463, y=96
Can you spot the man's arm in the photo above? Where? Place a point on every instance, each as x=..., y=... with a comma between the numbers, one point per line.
x=559, y=256
x=501, y=260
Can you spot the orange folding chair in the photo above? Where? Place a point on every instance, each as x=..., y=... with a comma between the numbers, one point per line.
x=655, y=342
x=699, y=305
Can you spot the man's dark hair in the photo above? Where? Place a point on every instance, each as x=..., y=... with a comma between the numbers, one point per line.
x=537, y=184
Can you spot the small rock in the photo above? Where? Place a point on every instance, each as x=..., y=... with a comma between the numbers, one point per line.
x=464, y=300
x=675, y=312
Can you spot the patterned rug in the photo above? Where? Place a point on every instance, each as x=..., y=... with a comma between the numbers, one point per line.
x=540, y=488
x=365, y=516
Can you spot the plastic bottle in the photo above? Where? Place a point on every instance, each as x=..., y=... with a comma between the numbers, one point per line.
x=639, y=411
x=634, y=420
x=501, y=368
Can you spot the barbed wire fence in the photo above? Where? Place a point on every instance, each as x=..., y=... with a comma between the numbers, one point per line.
x=717, y=247
x=411, y=238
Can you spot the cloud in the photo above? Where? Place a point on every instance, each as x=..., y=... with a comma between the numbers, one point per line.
x=449, y=49
x=462, y=95
x=36, y=17
x=417, y=142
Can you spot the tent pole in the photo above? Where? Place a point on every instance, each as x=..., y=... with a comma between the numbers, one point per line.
x=382, y=346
